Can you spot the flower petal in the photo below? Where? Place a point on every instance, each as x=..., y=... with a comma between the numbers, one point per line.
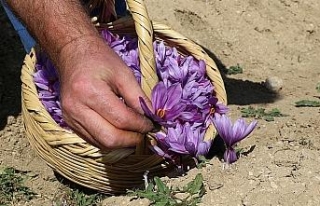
x=174, y=93
x=159, y=96
x=145, y=107
x=230, y=156
x=223, y=125
x=203, y=148
x=160, y=152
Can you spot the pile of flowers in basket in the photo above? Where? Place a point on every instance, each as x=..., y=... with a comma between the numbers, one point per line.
x=183, y=101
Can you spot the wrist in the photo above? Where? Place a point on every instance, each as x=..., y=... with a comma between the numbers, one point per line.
x=72, y=54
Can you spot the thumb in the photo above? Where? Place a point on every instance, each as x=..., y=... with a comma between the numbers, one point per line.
x=130, y=90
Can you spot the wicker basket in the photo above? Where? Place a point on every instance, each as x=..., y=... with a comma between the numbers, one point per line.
x=113, y=171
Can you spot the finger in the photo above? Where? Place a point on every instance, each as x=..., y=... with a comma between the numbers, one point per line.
x=107, y=135
x=85, y=135
x=130, y=90
x=111, y=108
x=80, y=130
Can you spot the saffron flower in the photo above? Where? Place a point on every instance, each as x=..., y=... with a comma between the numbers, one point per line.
x=184, y=139
x=217, y=107
x=232, y=134
x=166, y=103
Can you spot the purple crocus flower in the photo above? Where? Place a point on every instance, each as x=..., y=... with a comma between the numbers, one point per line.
x=232, y=134
x=197, y=69
x=194, y=143
x=184, y=139
x=217, y=107
x=193, y=89
x=162, y=147
x=191, y=114
x=166, y=103
x=175, y=72
x=160, y=53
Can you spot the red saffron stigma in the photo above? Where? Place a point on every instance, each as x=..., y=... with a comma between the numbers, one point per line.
x=161, y=113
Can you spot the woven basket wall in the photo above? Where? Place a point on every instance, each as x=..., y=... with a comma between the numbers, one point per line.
x=113, y=171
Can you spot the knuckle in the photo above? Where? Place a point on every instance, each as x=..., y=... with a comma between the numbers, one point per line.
x=81, y=86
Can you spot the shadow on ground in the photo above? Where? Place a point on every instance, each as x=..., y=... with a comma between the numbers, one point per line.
x=241, y=92
x=11, y=59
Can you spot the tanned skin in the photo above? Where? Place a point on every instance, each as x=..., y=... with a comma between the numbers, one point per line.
x=91, y=75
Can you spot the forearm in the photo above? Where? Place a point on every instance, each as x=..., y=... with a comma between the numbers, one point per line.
x=54, y=23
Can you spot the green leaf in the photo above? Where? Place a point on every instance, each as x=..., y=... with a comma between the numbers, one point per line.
x=275, y=113
x=160, y=185
x=195, y=186
x=202, y=162
x=12, y=185
x=161, y=195
x=261, y=113
x=162, y=203
x=307, y=103
x=150, y=187
x=235, y=70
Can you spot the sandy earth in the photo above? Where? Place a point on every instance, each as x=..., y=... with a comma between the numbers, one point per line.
x=275, y=38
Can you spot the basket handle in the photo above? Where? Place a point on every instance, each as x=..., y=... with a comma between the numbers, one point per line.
x=144, y=32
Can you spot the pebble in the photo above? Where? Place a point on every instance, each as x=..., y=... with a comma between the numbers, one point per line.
x=273, y=185
x=273, y=84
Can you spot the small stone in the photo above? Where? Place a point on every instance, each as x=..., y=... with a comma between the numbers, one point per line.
x=273, y=185
x=273, y=84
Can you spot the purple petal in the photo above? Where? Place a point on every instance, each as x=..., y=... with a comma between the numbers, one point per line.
x=108, y=36
x=230, y=156
x=174, y=93
x=49, y=104
x=154, y=117
x=159, y=96
x=203, y=148
x=46, y=95
x=223, y=125
x=221, y=108
x=200, y=101
x=160, y=52
x=242, y=130
x=118, y=45
x=213, y=100
x=175, y=112
x=145, y=107
x=160, y=152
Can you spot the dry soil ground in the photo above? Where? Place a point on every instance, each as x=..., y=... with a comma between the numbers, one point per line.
x=266, y=38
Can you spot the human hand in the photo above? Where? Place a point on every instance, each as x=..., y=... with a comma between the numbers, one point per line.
x=92, y=78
